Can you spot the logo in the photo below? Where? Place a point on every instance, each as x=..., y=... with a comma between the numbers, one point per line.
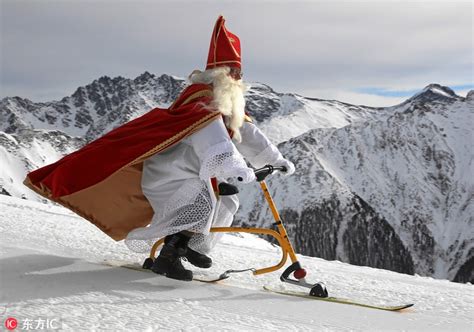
x=11, y=323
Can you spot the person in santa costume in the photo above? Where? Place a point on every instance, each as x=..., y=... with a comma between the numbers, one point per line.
x=163, y=174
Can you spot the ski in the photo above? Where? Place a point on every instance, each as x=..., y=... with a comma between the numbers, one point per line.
x=339, y=300
x=138, y=267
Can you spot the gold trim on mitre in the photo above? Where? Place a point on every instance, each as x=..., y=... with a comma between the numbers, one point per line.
x=224, y=62
x=216, y=36
x=231, y=44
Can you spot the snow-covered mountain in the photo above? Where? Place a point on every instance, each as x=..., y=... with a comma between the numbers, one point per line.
x=93, y=109
x=393, y=192
x=383, y=187
x=35, y=134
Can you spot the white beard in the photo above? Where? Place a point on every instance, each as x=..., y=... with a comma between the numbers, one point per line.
x=228, y=96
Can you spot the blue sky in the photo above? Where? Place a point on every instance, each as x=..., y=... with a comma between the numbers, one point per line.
x=363, y=52
x=406, y=93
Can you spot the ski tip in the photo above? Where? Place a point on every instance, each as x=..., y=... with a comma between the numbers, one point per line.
x=406, y=306
x=395, y=308
x=210, y=281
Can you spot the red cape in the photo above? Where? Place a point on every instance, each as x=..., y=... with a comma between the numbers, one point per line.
x=102, y=181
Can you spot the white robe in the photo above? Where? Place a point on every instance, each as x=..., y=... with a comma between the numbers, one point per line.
x=177, y=184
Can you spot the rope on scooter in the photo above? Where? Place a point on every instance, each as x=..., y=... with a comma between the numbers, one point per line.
x=226, y=275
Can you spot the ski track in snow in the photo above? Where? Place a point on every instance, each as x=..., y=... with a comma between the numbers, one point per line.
x=51, y=268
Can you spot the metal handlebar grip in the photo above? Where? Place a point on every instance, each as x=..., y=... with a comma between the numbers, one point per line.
x=265, y=171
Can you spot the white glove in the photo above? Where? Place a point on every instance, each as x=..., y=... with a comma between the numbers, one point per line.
x=290, y=167
x=245, y=175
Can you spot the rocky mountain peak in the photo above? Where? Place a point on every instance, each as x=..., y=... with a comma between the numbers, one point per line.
x=470, y=96
x=144, y=78
x=435, y=92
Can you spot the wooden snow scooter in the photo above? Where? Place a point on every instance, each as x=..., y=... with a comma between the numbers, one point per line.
x=316, y=290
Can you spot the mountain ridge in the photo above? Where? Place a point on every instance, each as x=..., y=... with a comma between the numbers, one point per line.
x=341, y=165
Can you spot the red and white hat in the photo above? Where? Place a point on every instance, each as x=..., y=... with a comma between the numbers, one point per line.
x=225, y=47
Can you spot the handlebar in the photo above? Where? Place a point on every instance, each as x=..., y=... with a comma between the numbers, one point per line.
x=262, y=173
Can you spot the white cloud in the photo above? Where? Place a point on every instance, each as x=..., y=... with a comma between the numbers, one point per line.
x=354, y=97
x=366, y=99
x=293, y=46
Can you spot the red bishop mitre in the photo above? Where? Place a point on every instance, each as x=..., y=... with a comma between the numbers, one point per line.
x=225, y=47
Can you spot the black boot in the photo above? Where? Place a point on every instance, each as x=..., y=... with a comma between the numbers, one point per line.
x=198, y=259
x=168, y=262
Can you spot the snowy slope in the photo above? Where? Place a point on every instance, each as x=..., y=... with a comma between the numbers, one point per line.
x=20, y=154
x=51, y=269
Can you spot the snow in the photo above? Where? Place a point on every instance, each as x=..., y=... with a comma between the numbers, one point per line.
x=17, y=156
x=408, y=168
x=347, y=153
x=12, y=171
x=406, y=163
x=298, y=115
x=51, y=269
